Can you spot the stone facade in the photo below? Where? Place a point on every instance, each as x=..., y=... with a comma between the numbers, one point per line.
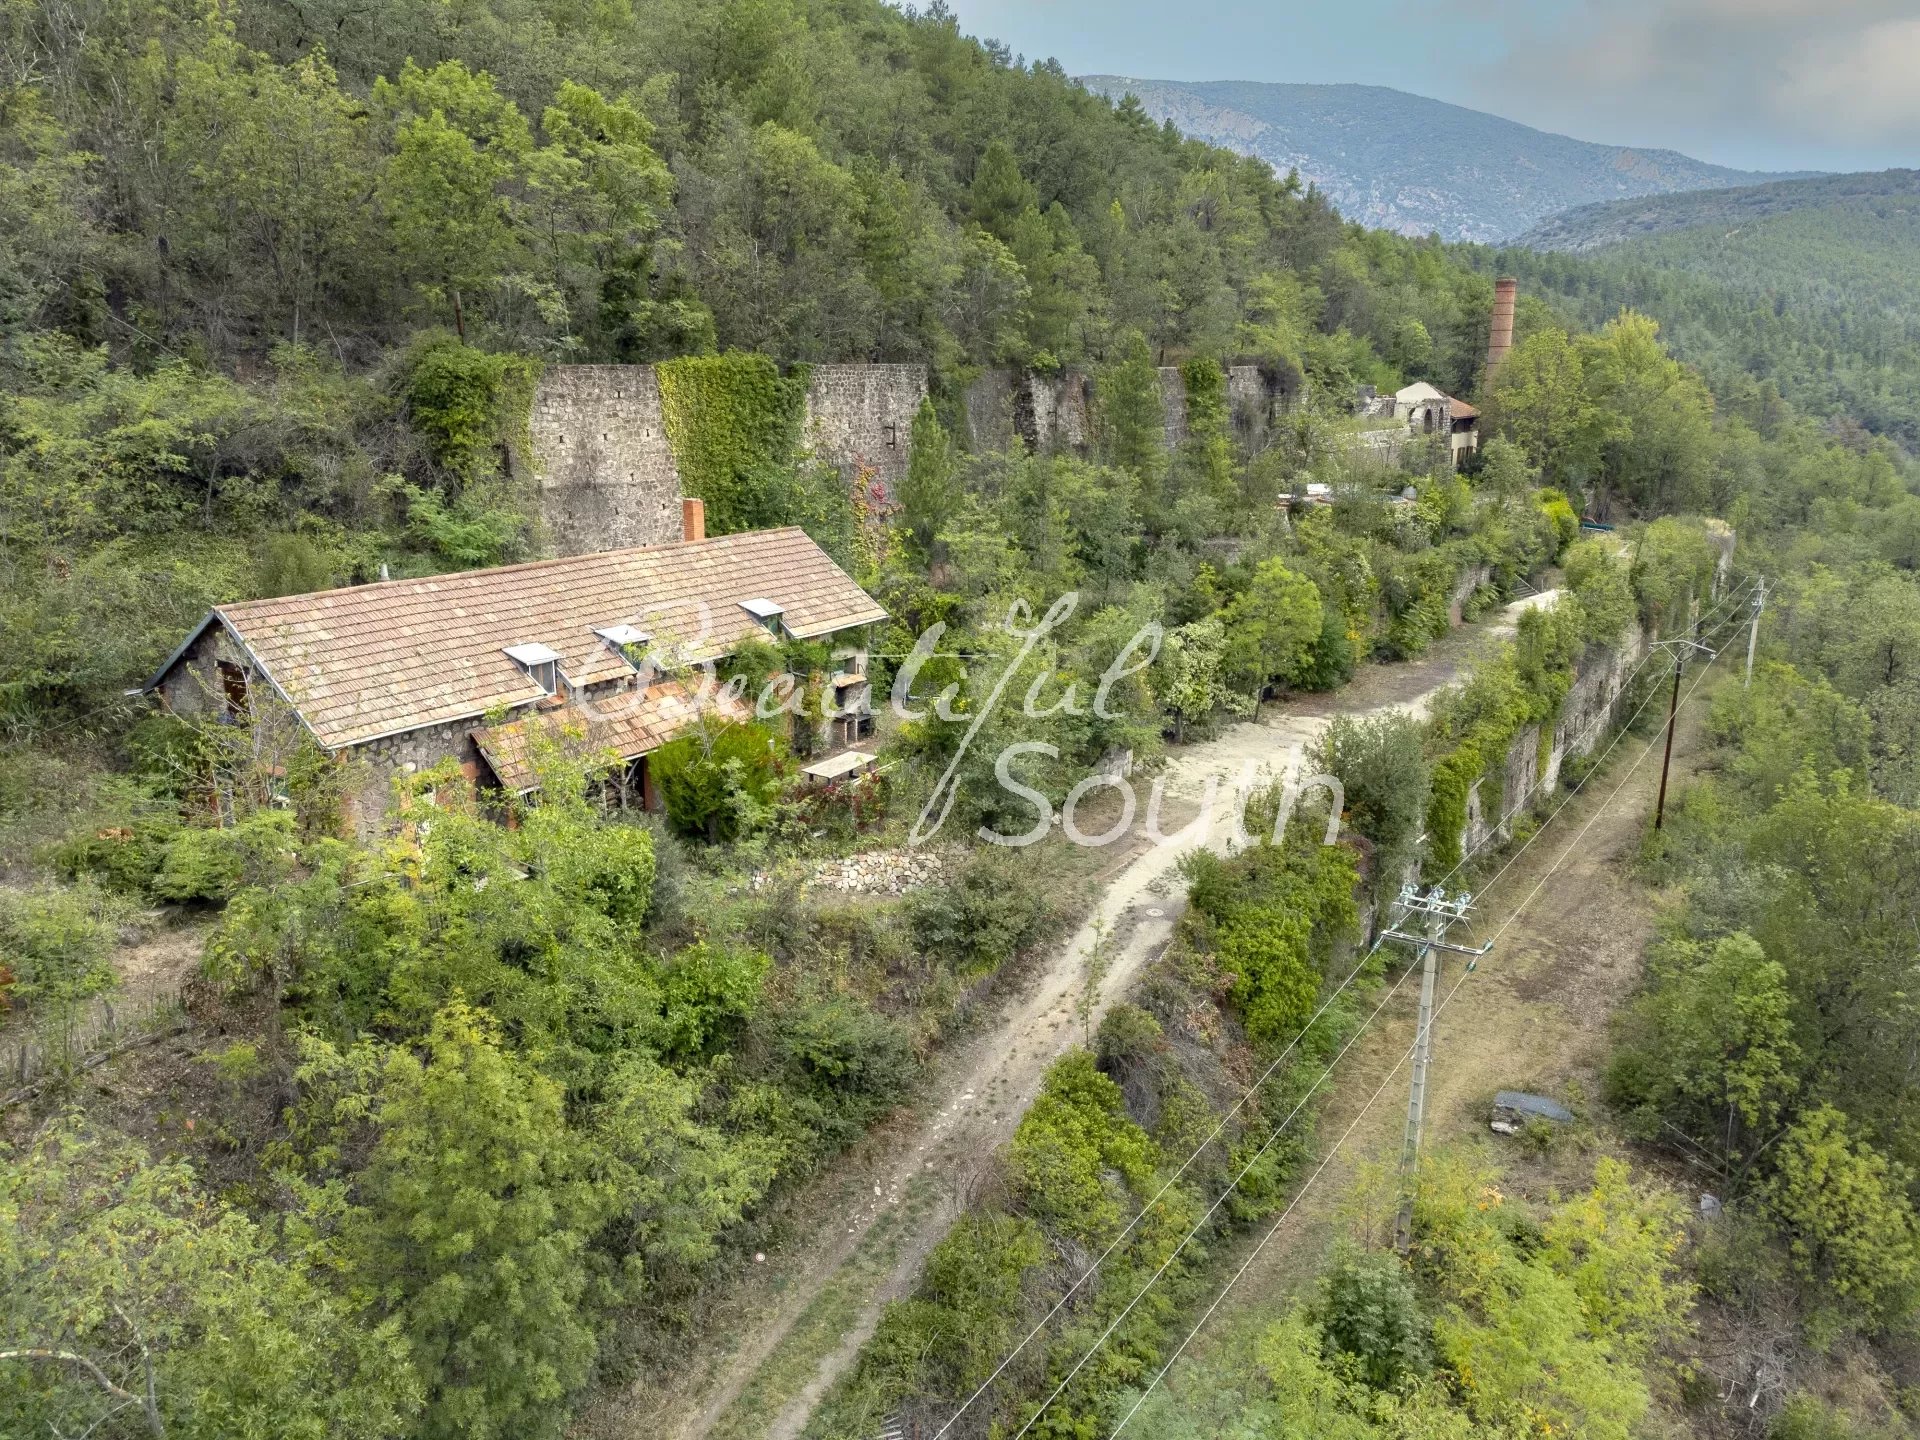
x=989, y=411
x=216, y=678
x=861, y=416
x=1471, y=579
x=1255, y=399
x=606, y=473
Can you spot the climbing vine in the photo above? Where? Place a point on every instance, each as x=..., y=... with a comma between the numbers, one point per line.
x=1209, y=447
x=470, y=406
x=1525, y=685
x=733, y=422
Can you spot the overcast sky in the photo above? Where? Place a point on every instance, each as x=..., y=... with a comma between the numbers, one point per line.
x=1761, y=84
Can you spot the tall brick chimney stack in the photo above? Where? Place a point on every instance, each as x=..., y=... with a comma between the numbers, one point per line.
x=693, y=518
x=1500, y=340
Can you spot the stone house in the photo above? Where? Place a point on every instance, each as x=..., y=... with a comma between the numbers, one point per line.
x=477, y=666
x=1431, y=411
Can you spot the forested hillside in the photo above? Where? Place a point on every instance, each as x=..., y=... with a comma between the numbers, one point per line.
x=479, y=1116
x=1597, y=226
x=1805, y=288
x=277, y=279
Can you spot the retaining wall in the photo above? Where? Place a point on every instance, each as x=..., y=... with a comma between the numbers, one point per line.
x=1584, y=725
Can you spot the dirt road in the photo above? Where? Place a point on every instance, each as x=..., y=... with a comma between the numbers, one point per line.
x=827, y=1303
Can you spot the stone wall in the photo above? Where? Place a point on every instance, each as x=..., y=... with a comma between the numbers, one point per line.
x=1471, y=579
x=1055, y=412
x=1046, y=413
x=1255, y=400
x=607, y=477
x=988, y=406
x=1584, y=724
x=861, y=416
x=606, y=474
x=193, y=688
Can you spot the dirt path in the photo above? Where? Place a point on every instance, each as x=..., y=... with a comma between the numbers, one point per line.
x=1532, y=1017
x=830, y=1298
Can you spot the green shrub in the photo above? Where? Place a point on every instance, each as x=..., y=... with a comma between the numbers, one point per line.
x=1368, y=1310
x=710, y=989
x=1453, y=779
x=1329, y=661
x=1599, y=579
x=1849, y=1225
x=719, y=780
x=1382, y=767
x=1072, y=1143
x=122, y=844
x=607, y=866
x=467, y=404
x=1272, y=916
x=986, y=913
x=1807, y=1417
x=849, y=1049
x=215, y=865
x=59, y=940
x=1561, y=515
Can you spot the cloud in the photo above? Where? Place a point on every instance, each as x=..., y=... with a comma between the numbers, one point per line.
x=1867, y=83
x=1753, y=76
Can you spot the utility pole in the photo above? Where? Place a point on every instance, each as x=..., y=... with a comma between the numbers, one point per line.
x=1680, y=649
x=1440, y=913
x=1753, y=635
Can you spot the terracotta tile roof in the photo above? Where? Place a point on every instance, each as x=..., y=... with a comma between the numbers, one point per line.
x=629, y=724
x=373, y=660
x=1463, y=411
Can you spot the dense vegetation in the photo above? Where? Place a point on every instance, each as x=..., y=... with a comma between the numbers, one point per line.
x=1112, y=1163
x=1802, y=290
x=1768, y=1052
x=476, y=1119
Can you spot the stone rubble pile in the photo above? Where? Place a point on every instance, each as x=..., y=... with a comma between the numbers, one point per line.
x=880, y=872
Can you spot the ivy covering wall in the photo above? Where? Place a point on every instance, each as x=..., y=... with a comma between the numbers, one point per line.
x=1523, y=687
x=733, y=422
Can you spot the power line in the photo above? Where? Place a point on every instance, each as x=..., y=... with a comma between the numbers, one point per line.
x=1275, y=1229
x=1218, y=1129
x=1580, y=785
x=1219, y=1200
x=1265, y=1076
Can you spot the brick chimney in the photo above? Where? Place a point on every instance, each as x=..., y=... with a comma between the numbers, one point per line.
x=693, y=518
x=1500, y=339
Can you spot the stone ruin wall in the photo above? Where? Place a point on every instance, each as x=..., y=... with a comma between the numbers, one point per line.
x=860, y=417
x=1173, y=405
x=606, y=474
x=607, y=478
x=1054, y=413
x=1585, y=721
x=1252, y=401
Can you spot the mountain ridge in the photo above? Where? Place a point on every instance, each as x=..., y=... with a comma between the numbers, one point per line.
x=1405, y=162
x=1608, y=223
